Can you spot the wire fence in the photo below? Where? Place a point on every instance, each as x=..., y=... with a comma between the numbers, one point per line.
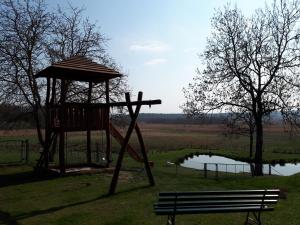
x=14, y=152
x=216, y=169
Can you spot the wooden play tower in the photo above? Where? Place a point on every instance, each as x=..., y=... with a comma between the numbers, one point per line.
x=63, y=116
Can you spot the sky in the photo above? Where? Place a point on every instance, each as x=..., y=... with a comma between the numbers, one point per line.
x=157, y=42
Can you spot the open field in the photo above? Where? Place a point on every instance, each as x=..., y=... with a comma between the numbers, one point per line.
x=31, y=200
x=166, y=137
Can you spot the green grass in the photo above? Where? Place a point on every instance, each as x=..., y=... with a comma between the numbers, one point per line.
x=31, y=200
x=27, y=199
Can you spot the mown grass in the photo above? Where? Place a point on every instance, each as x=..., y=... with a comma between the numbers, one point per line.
x=28, y=199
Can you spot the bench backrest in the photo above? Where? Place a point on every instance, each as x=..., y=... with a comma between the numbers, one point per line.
x=210, y=199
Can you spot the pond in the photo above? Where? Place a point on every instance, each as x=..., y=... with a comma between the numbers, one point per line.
x=225, y=164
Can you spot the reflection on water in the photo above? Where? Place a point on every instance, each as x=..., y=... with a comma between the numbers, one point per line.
x=233, y=166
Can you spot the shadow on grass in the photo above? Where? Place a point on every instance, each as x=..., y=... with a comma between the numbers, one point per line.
x=6, y=218
x=23, y=178
x=57, y=208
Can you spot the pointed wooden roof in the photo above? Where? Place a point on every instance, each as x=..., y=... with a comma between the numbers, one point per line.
x=79, y=68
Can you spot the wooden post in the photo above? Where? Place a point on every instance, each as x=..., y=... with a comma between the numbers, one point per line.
x=205, y=170
x=22, y=156
x=141, y=141
x=62, y=165
x=26, y=151
x=217, y=172
x=107, y=130
x=47, y=125
x=53, y=92
x=52, y=141
x=270, y=169
x=88, y=130
x=124, y=145
x=97, y=152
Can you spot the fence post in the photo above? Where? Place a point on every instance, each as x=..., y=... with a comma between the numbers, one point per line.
x=205, y=170
x=22, y=151
x=97, y=153
x=270, y=169
x=26, y=151
x=217, y=175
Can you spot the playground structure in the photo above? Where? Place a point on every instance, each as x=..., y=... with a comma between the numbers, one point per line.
x=63, y=116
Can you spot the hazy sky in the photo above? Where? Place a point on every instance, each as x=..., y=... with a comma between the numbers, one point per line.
x=157, y=42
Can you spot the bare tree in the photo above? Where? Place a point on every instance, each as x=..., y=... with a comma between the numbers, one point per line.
x=31, y=37
x=252, y=64
x=72, y=34
x=242, y=123
x=23, y=30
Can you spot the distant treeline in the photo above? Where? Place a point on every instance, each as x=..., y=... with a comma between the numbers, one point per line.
x=181, y=118
x=15, y=117
x=18, y=117
x=170, y=118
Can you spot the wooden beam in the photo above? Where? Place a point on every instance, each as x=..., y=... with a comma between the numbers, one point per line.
x=62, y=165
x=107, y=130
x=117, y=104
x=131, y=127
x=53, y=91
x=135, y=103
x=88, y=131
x=142, y=144
x=47, y=125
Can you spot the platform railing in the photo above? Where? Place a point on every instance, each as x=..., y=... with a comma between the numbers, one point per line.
x=79, y=117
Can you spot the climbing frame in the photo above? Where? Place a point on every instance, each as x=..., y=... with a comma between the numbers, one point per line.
x=133, y=126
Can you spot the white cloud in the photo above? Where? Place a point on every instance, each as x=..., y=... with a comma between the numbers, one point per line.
x=155, y=61
x=150, y=46
x=190, y=50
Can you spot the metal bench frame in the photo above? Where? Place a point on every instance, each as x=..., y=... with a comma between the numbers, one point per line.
x=253, y=202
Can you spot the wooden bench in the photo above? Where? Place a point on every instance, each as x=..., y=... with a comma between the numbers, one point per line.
x=252, y=202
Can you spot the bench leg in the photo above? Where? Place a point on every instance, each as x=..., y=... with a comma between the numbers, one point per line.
x=255, y=220
x=171, y=220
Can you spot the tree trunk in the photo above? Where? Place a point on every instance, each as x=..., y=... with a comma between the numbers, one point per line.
x=38, y=125
x=259, y=146
x=251, y=144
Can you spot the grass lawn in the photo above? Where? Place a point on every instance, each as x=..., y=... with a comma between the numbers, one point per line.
x=27, y=199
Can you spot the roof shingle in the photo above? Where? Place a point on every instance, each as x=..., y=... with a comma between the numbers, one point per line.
x=81, y=69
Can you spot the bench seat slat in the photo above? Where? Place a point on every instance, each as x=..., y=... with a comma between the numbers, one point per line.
x=216, y=202
x=227, y=192
x=170, y=211
x=206, y=206
x=220, y=197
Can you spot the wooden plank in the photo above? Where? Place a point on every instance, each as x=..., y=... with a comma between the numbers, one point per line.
x=221, y=192
x=215, y=202
x=220, y=197
x=213, y=210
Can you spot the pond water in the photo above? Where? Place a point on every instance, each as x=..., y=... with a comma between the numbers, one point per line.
x=225, y=164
